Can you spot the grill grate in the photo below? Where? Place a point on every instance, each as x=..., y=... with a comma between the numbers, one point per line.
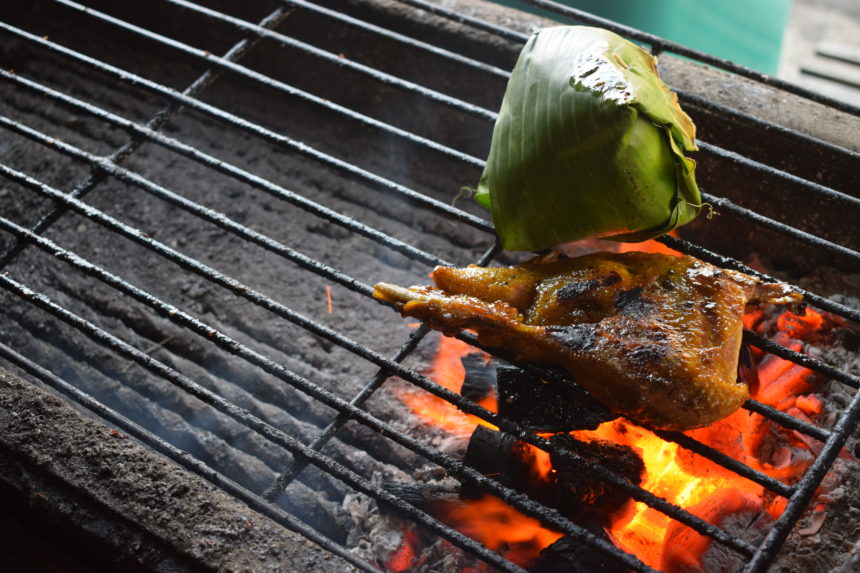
x=110, y=168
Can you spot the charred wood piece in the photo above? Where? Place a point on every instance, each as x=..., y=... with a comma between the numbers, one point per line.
x=568, y=487
x=480, y=379
x=576, y=490
x=546, y=405
x=571, y=555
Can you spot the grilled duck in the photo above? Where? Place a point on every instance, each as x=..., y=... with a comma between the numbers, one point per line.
x=654, y=337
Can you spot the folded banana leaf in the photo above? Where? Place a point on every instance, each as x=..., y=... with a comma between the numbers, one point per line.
x=589, y=142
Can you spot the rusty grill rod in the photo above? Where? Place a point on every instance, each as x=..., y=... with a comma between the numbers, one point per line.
x=163, y=116
x=245, y=125
x=463, y=404
x=278, y=85
x=183, y=458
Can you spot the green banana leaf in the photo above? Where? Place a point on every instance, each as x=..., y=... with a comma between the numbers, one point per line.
x=589, y=142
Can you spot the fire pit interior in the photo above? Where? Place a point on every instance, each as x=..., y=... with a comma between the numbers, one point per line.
x=196, y=199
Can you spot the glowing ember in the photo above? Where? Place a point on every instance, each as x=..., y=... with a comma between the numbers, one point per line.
x=406, y=556
x=500, y=527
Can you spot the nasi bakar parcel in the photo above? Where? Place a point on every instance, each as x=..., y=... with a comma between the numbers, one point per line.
x=654, y=337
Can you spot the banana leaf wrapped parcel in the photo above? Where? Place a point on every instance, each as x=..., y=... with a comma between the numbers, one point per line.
x=589, y=142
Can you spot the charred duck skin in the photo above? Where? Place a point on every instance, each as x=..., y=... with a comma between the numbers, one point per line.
x=654, y=337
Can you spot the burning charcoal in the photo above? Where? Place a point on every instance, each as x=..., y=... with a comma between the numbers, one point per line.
x=577, y=489
x=480, y=379
x=547, y=406
x=565, y=486
x=572, y=555
x=422, y=496
x=493, y=454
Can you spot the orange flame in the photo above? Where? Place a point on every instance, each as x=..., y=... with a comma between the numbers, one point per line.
x=673, y=473
x=698, y=485
x=649, y=246
x=447, y=371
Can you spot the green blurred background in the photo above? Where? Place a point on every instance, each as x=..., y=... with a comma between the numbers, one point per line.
x=748, y=32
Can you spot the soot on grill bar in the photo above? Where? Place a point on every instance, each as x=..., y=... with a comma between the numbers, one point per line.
x=195, y=201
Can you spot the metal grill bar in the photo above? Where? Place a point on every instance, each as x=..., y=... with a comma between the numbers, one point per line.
x=521, y=38
x=142, y=183
x=262, y=79
x=787, y=421
x=382, y=77
x=686, y=442
x=686, y=96
x=827, y=193
x=162, y=117
x=182, y=458
x=476, y=23
x=230, y=169
x=782, y=228
x=806, y=489
x=710, y=453
x=802, y=359
x=491, y=116
x=752, y=120
x=407, y=40
x=682, y=246
x=240, y=123
x=292, y=472
x=762, y=479
x=315, y=266
x=328, y=433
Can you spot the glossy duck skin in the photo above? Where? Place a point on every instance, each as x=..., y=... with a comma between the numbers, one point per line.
x=654, y=337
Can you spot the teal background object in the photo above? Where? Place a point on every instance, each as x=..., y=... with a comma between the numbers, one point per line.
x=748, y=32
